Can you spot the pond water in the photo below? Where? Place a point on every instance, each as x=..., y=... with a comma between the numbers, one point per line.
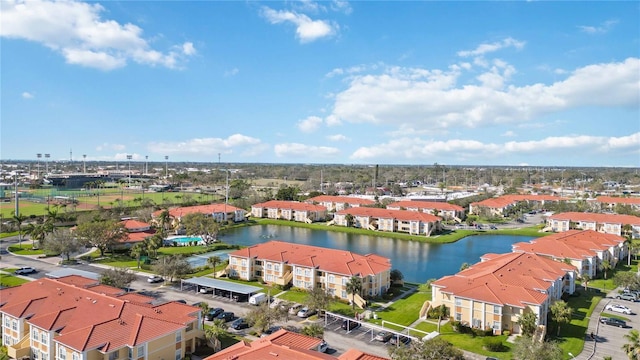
x=416, y=260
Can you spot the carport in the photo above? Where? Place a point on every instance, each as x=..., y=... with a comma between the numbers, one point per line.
x=234, y=289
x=70, y=271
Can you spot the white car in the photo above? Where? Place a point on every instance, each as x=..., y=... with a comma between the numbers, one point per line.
x=618, y=308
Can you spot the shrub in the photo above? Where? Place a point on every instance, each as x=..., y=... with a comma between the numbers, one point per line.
x=506, y=332
x=493, y=344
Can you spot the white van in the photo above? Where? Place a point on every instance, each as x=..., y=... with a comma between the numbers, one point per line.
x=257, y=299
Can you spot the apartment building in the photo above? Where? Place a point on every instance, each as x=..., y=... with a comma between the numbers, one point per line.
x=289, y=210
x=74, y=318
x=405, y=221
x=137, y=231
x=220, y=212
x=620, y=225
x=337, y=203
x=499, y=206
x=442, y=209
x=495, y=292
x=609, y=202
x=308, y=267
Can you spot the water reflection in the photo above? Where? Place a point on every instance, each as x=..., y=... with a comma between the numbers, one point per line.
x=417, y=261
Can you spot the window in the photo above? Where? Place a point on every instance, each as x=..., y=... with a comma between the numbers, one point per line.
x=258, y=262
x=7, y=322
x=258, y=273
x=233, y=261
x=35, y=353
x=189, y=327
x=298, y=271
x=141, y=351
x=458, y=316
x=34, y=335
x=307, y=272
x=344, y=294
x=276, y=267
x=497, y=310
x=14, y=325
x=62, y=353
x=344, y=281
x=76, y=356
x=114, y=355
x=179, y=336
x=178, y=354
x=458, y=302
x=496, y=325
x=244, y=262
x=318, y=273
x=269, y=266
x=44, y=337
x=332, y=278
x=130, y=356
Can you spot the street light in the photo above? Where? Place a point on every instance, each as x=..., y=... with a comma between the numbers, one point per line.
x=84, y=163
x=129, y=160
x=39, y=156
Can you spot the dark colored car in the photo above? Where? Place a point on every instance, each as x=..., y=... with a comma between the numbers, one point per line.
x=395, y=340
x=226, y=316
x=213, y=313
x=614, y=322
x=350, y=325
x=493, y=227
x=383, y=336
x=239, y=324
x=270, y=331
x=181, y=301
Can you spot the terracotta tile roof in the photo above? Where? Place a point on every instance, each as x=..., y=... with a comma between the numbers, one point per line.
x=341, y=199
x=204, y=209
x=78, y=280
x=572, y=244
x=87, y=319
x=402, y=215
x=597, y=217
x=134, y=224
x=134, y=297
x=354, y=354
x=293, y=205
x=138, y=236
x=106, y=290
x=618, y=200
x=330, y=260
x=281, y=345
x=515, y=279
x=506, y=200
x=428, y=205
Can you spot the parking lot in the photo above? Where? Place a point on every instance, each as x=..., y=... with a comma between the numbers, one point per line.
x=610, y=339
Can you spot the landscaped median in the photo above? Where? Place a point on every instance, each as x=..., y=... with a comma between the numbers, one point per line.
x=8, y=280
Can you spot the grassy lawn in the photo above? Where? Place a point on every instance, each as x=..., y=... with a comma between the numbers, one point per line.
x=614, y=316
x=404, y=311
x=571, y=338
x=10, y=280
x=294, y=296
x=25, y=249
x=8, y=234
x=474, y=344
x=607, y=284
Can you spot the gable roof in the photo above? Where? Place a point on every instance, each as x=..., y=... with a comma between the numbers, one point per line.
x=428, y=205
x=402, y=215
x=330, y=260
x=514, y=279
x=572, y=244
x=292, y=205
x=204, y=209
x=618, y=200
x=341, y=199
x=89, y=317
x=506, y=200
x=355, y=354
x=597, y=218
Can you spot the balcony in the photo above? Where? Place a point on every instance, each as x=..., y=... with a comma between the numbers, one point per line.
x=21, y=349
x=285, y=279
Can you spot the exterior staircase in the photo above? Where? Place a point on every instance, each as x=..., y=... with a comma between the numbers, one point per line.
x=425, y=310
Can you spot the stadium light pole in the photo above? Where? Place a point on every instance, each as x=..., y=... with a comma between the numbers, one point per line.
x=46, y=162
x=129, y=160
x=39, y=156
x=166, y=166
x=146, y=164
x=84, y=163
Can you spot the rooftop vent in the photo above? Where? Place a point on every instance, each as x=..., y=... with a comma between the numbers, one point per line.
x=273, y=354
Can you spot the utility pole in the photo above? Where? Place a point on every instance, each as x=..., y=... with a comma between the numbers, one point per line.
x=46, y=162
x=15, y=194
x=129, y=160
x=84, y=163
x=166, y=166
x=39, y=156
x=146, y=164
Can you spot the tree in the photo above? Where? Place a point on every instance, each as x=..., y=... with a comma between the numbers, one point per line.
x=627, y=279
x=442, y=312
x=526, y=348
x=214, y=332
x=432, y=349
x=289, y=193
x=606, y=266
x=528, y=323
x=137, y=250
x=172, y=266
x=164, y=222
x=154, y=243
x=117, y=277
x=396, y=276
x=198, y=224
x=585, y=281
x=350, y=219
x=560, y=313
x=464, y=266
x=318, y=299
x=353, y=287
x=18, y=220
x=102, y=234
x=632, y=348
x=314, y=330
x=627, y=243
x=205, y=309
x=213, y=261
x=64, y=243
x=263, y=317
x=38, y=232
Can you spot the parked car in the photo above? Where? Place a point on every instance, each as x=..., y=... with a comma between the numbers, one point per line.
x=3, y=251
x=270, y=331
x=294, y=309
x=239, y=324
x=213, y=313
x=613, y=322
x=350, y=325
x=25, y=271
x=277, y=303
x=154, y=279
x=305, y=312
x=493, y=227
x=257, y=299
x=323, y=346
x=396, y=340
x=618, y=308
x=383, y=336
x=627, y=296
x=181, y=301
x=206, y=290
x=226, y=316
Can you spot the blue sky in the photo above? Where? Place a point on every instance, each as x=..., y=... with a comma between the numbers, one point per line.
x=457, y=83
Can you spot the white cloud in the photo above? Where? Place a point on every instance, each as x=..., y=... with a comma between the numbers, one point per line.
x=27, y=95
x=307, y=30
x=341, y=6
x=108, y=146
x=310, y=124
x=338, y=138
x=245, y=145
x=508, y=133
x=231, y=72
x=296, y=150
x=483, y=49
x=601, y=29
x=433, y=99
x=417, y=148
x=77, y=31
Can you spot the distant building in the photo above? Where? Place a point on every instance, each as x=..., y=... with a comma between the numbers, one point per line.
x=500, y=205
x=137, y=231
x=405, y=221
x=289, y=210
x=609, y=202
x=442, y=209
x=604, y=223
x=337, y=203
x=220, y=212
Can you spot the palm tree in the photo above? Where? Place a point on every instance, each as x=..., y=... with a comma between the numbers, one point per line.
x=164, y=220
x=561, y=313
x=606, y=266
x=205, y=309
x=632, y=348
x=442, y=312
x=214, y=332
x=137, y=250
x=627, y=243
x=353, y=287
x=37, y=232
x=213, y=261
x=154, y=243
x=585, y=281
x=18, y=220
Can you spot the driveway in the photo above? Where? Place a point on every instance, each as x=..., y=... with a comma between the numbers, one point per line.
x=610, y=339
